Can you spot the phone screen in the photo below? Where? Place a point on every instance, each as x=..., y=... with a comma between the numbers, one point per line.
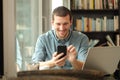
x=62, y=49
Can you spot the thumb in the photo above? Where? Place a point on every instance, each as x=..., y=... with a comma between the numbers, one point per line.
x=54, y=54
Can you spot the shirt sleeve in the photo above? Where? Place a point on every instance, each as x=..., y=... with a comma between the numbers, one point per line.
x=82, y=53
x=39, y=53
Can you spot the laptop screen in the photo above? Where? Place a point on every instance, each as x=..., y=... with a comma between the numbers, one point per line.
x=103, y=59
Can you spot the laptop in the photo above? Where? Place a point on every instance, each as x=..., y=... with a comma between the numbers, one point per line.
x=103, y=59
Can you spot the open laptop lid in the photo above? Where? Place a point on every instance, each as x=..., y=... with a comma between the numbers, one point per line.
x=103, y=59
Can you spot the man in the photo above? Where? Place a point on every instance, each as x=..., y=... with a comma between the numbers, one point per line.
x=46, y=45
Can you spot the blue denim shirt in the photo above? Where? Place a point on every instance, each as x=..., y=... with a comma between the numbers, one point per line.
x=47, y=44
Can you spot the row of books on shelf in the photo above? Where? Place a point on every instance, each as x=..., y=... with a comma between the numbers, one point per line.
x=109, y=42
x=87, y=24
x=94, y=4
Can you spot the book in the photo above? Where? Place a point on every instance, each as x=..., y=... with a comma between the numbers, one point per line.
x=85, y=24
x=85, y=6
x=82, y=23
x=110, y=40
x=80, y=4
x=91, y=4
x=90, y=25
x=78, y=25
x=110, y=25
x=97, y=4
x=109, y=44
x=98, y=24
x=73, y=4
x=92, y=42
x=116, y=21
x=118, y=40
x=93, y=24
x=110, y=4
x=115, y=4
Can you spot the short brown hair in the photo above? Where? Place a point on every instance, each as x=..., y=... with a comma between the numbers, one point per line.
x=62, y=12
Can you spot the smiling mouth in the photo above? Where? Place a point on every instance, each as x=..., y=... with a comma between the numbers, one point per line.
x=62, y=32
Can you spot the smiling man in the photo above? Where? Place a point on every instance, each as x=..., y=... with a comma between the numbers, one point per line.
x=45, y=54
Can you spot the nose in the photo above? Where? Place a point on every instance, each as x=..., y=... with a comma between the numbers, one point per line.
x=61, y=27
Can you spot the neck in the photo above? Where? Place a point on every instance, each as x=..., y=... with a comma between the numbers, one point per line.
x=64, y=36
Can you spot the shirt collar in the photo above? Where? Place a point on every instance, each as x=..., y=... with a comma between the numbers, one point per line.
x=63, y=40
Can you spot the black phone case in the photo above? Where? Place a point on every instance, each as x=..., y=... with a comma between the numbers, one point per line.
x=62, y=49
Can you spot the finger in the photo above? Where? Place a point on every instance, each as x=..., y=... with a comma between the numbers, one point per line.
x=61, y=60
x=69, y=47
x=60, y=64
x=59, y=55
x=54, y=54
x=72, y=49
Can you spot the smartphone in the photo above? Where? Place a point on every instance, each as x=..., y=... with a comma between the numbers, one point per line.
x=62, y=49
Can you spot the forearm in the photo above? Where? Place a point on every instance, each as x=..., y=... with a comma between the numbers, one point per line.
x=49, y=64
x=39, y=65
x=77, y=64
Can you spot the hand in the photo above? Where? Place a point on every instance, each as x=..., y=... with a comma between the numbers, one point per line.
x=71, y=53
x=57, y=60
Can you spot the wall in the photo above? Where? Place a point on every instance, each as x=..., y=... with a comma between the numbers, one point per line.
x=1, y=40
x=9, y=37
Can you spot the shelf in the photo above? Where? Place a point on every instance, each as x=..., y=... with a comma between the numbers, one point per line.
x=101, y=36
x=106, y=12
x=102, y=32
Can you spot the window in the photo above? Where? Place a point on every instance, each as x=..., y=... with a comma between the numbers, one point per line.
x=28, y=27
x=56, y=3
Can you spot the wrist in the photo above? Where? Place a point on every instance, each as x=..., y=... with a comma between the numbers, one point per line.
x=51, y=64
x=73, y=60
x=46, y=65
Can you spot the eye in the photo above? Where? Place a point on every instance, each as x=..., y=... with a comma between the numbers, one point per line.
x=58, y=24
x=65, y=24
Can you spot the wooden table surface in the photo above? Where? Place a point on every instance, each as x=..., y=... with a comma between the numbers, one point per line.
x=52, y=74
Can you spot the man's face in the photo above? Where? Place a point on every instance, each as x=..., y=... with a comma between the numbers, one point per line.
x=61, y=26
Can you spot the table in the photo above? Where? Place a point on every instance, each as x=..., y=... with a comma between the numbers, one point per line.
x=63, y=74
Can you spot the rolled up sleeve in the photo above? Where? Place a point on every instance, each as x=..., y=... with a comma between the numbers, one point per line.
x=39, y=53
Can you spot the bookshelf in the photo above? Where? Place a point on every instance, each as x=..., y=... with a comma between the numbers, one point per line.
x=97, y=19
